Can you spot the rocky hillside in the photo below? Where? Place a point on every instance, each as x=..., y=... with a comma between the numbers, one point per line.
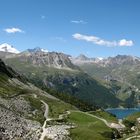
x=22, y=108
x=39, y=57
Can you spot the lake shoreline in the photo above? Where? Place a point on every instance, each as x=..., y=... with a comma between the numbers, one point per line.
x=122, y=113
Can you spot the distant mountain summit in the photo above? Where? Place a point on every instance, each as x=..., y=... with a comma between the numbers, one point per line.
x=41, y=57
x=8, y=48
x=37, y=49
x=120, y=60
x=110, y=61
x=82, y=59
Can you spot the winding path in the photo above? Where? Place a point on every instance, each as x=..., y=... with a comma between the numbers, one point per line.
x=132, y=137
x=46, y=116
x=111, y=125
x=103, y=120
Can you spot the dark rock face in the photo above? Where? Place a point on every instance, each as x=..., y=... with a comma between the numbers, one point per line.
x=4, y=69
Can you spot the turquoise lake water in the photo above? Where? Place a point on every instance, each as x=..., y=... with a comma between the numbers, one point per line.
x=122, y=113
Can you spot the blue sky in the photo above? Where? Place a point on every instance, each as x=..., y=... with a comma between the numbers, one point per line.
x=97, y=28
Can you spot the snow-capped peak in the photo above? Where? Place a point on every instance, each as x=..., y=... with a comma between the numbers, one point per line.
x=100, y=58
x=44, y=50
x=37, y=49
x=8, y=48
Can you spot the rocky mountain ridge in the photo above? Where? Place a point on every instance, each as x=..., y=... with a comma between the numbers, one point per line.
x=50, y=59
x=120, y=60
x=41, y=57
x=109, y=61
x=82, y=59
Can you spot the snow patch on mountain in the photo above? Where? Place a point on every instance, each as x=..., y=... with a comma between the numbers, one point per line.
x=44, y=50
x=100, y=58
x=37, y=49
x=8, y=48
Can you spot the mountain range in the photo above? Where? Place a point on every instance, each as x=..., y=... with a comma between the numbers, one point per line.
x=92, y=80
x=36, y=80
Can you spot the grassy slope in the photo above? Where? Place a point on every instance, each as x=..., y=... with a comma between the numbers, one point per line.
x=95, y=70
x=57, y=107
x=133, y=117
x=76, y=83
x=6, y=89
x=107, y=116
x=122, y=90
x=126, y=71
x=88, y=127
x=9, y=91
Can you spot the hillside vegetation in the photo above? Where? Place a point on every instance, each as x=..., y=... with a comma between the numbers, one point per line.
x=22, y=113
x=71, y=82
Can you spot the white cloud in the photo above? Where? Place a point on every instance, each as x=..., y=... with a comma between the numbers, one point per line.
x=78, y=22
x=102, y=42
x=13, y=30
x=125, y=42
